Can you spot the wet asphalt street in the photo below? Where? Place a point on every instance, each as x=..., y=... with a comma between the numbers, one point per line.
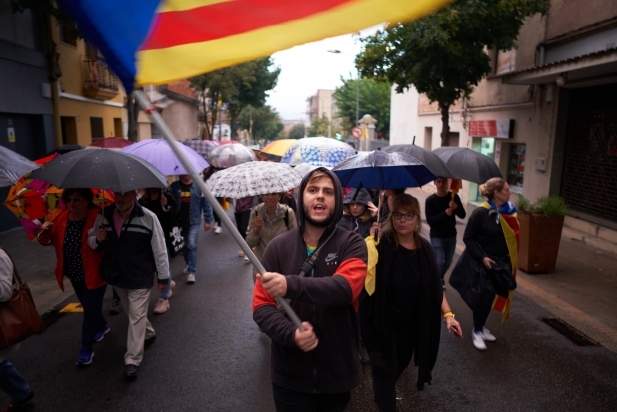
x=209, y=356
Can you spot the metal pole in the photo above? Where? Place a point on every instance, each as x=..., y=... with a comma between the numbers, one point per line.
x=168, y=135
x=357, y=100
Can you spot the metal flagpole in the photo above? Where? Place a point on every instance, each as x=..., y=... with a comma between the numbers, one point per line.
x=168, y=135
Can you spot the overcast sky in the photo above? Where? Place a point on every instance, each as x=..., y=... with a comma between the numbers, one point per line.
x=309, y=67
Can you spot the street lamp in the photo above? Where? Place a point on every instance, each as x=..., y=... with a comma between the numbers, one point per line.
x=357, y=87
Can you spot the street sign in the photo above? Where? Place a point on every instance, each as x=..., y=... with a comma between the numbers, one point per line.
x=356, y=132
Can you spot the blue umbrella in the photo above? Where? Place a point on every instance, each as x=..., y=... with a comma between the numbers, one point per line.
x=381, y=170
x=318, y=151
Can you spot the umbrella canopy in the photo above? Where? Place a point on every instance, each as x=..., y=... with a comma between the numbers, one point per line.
x=252, y=179
x=203, y=147
x=304, y=168
x=65, y=148
x=13, y=166
x=276, y=149
x=381, y=170
x=230, y=155
x=103, y=169
x=112, y=143
x=428, y=158
x=318, y=151
x=467, y=164
x=160, y=154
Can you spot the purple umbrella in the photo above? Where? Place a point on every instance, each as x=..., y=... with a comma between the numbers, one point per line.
x=160, y=155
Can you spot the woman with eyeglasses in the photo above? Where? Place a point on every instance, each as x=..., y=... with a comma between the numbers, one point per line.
x=402, y=318
x=68, y=233
x=441, y=209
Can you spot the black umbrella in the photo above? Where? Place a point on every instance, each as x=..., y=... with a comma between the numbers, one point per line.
x=65, y=148
x=467, y=164
x=102, y=169
x=428, y=158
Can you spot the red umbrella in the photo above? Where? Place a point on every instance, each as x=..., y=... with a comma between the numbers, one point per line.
x=113, y=143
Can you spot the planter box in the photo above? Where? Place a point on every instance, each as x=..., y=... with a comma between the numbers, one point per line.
x=539, y=242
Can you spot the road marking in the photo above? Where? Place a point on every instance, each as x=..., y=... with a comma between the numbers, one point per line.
x=72, y=308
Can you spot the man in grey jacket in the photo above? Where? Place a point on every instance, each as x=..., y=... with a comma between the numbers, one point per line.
x=132, y=236
x=11, y=381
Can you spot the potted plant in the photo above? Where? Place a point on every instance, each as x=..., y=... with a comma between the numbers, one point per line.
x=541, y=223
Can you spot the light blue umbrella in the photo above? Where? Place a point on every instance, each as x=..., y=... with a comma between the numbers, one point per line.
x=158, y=153
x=318, y=151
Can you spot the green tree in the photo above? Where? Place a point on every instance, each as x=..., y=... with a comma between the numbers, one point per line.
x=320, y=126
x=374, y=99
x=443, y=55
x=266, y=122
x=238, y=86
x=297, y=131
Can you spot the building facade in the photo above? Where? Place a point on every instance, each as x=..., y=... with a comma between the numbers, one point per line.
x=26, y=112
x=545, y=115
x=321, y=104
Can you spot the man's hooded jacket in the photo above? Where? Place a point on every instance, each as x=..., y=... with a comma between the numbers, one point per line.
x=327, y=298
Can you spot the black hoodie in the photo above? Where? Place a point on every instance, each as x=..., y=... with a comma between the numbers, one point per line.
x=327, y=298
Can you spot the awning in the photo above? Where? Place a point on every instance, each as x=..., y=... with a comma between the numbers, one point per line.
x=581, y=71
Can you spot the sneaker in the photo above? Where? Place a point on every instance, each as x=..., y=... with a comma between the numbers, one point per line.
x=161, y=306
x=478, y=340
x=101, y=334
x=85, y=357
x=488, y=336
x=240, y=253
x=246, y=258
x=190, y=278
x=115, y=307
x=15, y=405
x=218, y=230
x=185, y=270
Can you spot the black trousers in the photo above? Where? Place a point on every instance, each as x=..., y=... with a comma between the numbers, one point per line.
x=242, y=221
x=388, y=365
x=481, y=311
x=92, y=302
x=287, y=400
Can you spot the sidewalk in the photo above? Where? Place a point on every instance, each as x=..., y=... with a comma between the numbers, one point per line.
x=582, y=291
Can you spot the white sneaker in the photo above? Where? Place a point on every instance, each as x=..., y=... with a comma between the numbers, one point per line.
x=246, y=258
x=488, y=336
x=240, y=253
x=171, y=289
x=185, y=270
x=478, y=340
x=161, y=306
x=218, y=230
x=190, y=278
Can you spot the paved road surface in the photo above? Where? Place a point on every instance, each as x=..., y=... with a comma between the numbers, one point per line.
x=209, y=356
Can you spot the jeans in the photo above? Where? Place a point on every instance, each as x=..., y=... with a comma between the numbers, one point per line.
x=444, y=252
x=92, y=302
x=165, y=292
x=190, y=246
x=287, y=400
x=12, y=383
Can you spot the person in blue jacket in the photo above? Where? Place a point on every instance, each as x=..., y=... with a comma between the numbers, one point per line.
x=192, y=204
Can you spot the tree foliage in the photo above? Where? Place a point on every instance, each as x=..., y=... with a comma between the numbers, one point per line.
x=321, y=126
x=443, y=55
x=238, y=87
x=374, y=99
x=266, y=122
x=297, y=131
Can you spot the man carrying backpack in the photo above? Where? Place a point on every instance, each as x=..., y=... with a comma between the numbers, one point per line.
x=268, y=220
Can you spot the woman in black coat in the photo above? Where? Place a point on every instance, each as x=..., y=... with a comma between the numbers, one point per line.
x=402, y=318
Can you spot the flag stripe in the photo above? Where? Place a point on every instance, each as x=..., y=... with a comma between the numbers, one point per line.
x=227, y=19
x=180, y=5
x=194, y=59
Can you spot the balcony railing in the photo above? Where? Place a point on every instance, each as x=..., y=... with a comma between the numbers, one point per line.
x=100, y=82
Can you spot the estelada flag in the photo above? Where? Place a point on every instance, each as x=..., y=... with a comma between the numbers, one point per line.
x=159, y=41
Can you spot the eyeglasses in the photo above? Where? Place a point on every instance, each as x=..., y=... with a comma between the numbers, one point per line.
x=74, y=199
x=399, y=216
